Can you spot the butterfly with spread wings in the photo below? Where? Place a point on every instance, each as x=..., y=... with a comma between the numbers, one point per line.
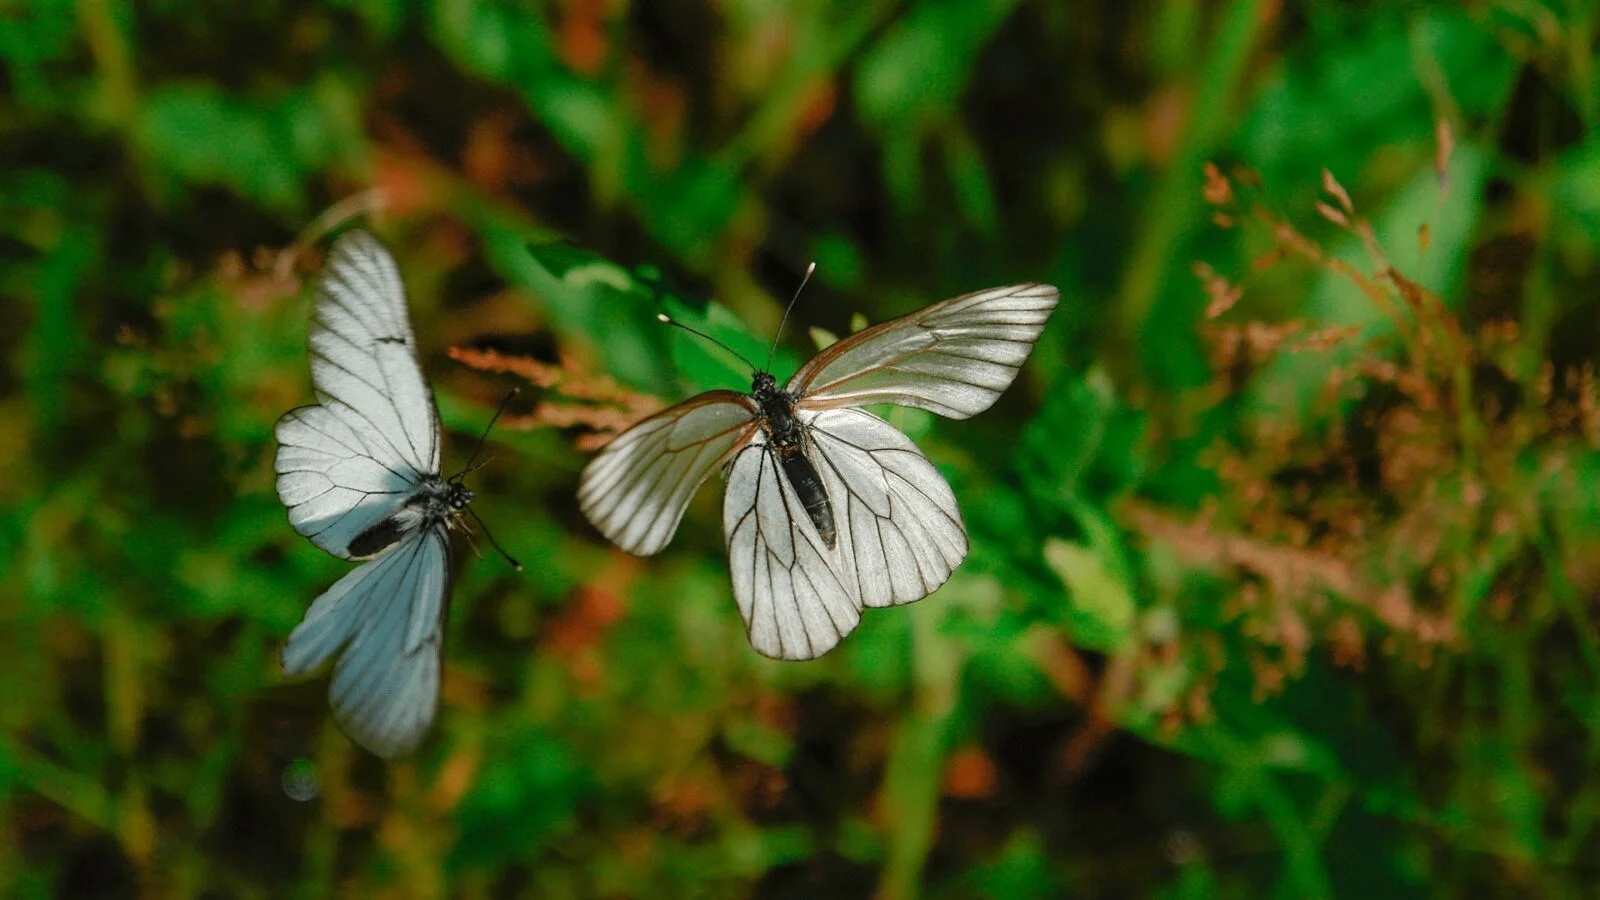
x=828, y=509
x=359, y=473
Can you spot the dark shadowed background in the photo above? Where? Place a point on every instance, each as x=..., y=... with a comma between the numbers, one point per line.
x=1285, y=545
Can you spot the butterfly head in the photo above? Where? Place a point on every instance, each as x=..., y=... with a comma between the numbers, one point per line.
x=458, y=496
x=764, y=386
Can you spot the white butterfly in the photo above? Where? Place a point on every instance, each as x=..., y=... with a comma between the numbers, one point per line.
x=359, y=473
x=828, y=508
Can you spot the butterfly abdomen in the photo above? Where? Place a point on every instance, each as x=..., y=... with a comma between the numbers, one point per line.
x=808, y=487
x=783, y=435
x=376, y=539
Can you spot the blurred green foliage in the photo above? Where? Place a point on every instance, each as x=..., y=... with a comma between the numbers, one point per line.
x=1282, y=579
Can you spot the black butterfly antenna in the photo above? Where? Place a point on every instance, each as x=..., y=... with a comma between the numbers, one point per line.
x=783, y=321
x=671, y=321
x=492, y=542
x=470, y=468
x=771, y=350
x=473, y=465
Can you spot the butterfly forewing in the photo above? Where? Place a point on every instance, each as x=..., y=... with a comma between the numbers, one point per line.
x=953, y=358
x=364, y=357
x=347, y=464
x=637, y=488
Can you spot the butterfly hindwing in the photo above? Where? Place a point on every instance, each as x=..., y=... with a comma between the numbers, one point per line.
x=900, y=532
x=383, y=622
x=791, y=597
x=334, y=487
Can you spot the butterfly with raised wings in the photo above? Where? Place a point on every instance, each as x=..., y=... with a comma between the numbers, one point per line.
x=359, y=473
x=828, y=508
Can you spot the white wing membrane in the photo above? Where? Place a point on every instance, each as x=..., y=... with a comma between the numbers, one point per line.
x=953, y=358
x=637, y=488
x=900, y=532
x=327, y=477
x=794, y=604
x=364, y=357
x=383, y=623
x=351, y=461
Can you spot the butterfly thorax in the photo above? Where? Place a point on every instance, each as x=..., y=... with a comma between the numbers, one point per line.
x=786, y=441
x=777, y=412
x=435, y=500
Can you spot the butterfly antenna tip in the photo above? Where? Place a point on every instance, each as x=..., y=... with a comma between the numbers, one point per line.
x=492, y=542
x=663, y=317
x=812, y=267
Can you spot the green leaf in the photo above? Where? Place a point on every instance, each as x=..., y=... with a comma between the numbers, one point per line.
x=759, y=742
x=1021, y=871
x=700, y=362
x=200, y=135
x=919, y=68
x=1061, y=445
x=526, y=793
x=1100, y=608
x=587, y=295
